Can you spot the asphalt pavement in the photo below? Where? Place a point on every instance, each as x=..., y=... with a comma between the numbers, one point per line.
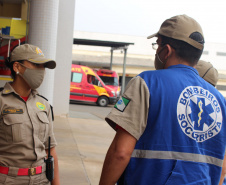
x=83, y=139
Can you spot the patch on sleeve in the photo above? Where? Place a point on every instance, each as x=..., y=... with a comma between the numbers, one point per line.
x=122, y=104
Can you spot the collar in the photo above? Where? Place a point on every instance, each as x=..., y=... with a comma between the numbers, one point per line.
x=184, y=67
x=9, y=89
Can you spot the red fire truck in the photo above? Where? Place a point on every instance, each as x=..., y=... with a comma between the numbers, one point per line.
x=110, y=78
x=86, y=85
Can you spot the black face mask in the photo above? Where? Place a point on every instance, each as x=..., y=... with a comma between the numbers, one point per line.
x=159, y=64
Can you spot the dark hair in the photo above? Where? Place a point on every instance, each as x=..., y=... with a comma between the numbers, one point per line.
x=10, y=66
x=184, y=50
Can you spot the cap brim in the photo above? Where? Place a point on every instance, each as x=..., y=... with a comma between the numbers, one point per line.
x=153, y=35
x=51, y=64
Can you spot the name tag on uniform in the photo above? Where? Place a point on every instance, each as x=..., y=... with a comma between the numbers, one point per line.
x=12, y=111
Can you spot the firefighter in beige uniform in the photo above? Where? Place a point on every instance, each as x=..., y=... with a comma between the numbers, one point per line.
x=26, y=121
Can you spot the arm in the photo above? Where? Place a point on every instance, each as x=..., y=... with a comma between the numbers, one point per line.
x=56, y=180
x=223, y=172
x=117, y=157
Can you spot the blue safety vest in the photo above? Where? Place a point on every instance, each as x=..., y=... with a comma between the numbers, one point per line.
x=224, y=183
x=185, y=137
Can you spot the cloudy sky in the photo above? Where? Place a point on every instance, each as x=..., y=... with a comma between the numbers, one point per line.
x=144, y=17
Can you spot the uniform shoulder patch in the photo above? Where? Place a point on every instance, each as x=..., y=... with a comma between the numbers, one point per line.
x=122, y=104
x=40, y=106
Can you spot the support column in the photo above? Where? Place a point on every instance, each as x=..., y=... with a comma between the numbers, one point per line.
x=124, y=71
x=64, y=57
x=111, y=58
x=43, y=33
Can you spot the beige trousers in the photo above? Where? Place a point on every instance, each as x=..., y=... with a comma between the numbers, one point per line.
x=39, y=179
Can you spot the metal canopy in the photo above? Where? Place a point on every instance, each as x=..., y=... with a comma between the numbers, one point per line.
x=114, y=46
x=101, y=43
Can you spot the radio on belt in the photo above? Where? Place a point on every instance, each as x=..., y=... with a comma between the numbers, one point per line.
x=49, y=165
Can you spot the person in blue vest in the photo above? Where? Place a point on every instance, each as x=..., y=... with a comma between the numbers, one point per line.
x=170, y=123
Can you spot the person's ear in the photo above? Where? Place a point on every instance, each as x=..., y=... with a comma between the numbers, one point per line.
x=165, y=52
x=168, y=51
x=16, y=67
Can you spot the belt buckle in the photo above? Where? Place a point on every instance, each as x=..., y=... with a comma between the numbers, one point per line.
x=31, y=171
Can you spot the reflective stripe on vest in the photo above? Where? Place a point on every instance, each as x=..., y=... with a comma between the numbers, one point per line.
x=150, y=154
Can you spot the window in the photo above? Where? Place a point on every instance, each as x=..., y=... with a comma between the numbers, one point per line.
x=109, y=80
x=76, y=77
x=93, y=80
x=90, y=79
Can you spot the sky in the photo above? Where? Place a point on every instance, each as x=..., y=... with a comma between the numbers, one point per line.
x=144, y=17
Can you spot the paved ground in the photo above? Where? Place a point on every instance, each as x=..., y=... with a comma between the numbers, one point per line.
x=83, y=139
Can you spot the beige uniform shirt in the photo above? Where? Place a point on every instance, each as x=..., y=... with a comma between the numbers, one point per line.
x=24, y=129
x=131, y=111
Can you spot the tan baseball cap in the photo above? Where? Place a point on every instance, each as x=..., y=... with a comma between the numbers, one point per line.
x=207, y=72
x=32, y=54
x=181, y=27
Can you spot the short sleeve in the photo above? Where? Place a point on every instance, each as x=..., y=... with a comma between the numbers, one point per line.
x=131, y=110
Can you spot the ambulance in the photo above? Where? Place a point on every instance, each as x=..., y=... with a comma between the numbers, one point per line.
x=110, y=78
x=87, y=86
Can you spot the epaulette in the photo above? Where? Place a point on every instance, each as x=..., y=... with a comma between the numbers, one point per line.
x=51, y=107
x=43, y=97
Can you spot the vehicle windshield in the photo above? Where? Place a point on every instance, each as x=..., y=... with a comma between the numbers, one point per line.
x=110, y=80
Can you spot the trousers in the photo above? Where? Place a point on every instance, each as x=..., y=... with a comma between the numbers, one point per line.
x=39, y=179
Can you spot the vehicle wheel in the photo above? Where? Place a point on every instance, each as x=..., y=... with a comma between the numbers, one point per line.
x=102, y=101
